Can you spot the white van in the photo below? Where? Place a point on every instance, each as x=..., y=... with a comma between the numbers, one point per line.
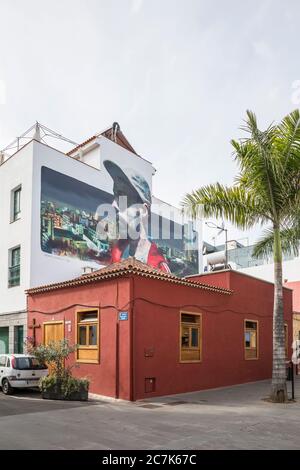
x=20, y=371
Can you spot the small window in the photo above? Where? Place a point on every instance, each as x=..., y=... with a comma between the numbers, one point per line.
x=88, y=336
x=14, y=267
x=8, y=362
x=190, y=337
x=2, y=361
x=16, y=204
x=251, y=339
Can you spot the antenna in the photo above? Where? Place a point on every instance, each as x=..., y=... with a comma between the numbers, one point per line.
x=221, y=228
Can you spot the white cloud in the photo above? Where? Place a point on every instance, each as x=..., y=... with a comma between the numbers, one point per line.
x=2, y=92
x=262, y=49
x=177, y=76
x=273, y=93
x=136, y=6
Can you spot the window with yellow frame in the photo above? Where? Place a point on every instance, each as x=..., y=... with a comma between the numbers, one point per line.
x=251, y=339
x=190, y=337
x=87, y=336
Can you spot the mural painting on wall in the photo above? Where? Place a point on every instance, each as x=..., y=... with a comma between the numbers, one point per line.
x=81, y=221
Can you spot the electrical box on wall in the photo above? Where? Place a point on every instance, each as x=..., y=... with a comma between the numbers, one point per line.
x=149, y=384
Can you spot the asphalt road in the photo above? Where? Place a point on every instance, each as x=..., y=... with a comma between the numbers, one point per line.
x=229, y=418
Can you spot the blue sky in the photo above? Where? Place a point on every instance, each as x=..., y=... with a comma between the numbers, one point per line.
x=177, y=75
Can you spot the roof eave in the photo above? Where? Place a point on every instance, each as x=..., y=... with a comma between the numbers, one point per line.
x=120, y=273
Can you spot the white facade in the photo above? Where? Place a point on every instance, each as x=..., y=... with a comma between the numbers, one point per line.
x=290, y=271
x=23, y=170
x=49, y=268
x=240, y=258
x=14, y=172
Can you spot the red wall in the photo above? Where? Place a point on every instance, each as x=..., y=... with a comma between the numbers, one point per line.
x=154, y=319
x=223, y=363
x=296, y=294
x=108, y=293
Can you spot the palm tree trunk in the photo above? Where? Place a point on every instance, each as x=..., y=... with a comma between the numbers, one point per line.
x=278, y=388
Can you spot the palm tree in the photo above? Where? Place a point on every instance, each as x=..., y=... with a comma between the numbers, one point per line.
x=266, y=191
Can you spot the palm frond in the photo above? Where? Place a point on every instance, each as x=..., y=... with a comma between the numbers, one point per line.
x=290, y=241
x=289, y=131
x=231, y=203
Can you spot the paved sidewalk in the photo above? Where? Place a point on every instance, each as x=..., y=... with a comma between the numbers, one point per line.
x=229, y=418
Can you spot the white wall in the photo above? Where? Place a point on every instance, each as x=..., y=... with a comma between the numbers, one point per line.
x=15, y=171
x=92, y=158
x=47, y=268
x=38, y=267
x=291, y=271
x=111, y=151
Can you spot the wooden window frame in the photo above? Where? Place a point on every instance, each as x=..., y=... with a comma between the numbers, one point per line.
x=257, y=340
x=87, y=347
x=199, y=326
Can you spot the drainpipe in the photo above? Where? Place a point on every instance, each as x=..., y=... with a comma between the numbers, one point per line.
x=117, y=348
x=132, y=344
x=117, y=359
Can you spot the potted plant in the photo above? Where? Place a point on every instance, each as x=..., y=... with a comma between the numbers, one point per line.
x=60, y=383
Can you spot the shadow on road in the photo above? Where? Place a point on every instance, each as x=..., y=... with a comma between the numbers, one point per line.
x=30, y=401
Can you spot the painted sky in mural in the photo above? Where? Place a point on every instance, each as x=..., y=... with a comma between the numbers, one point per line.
x=83, y=222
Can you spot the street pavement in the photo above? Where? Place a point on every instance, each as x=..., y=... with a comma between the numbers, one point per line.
x=230, y=418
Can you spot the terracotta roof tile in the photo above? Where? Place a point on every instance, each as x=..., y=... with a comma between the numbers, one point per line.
x=120, y=139
x=131, y=266
x=81, y=145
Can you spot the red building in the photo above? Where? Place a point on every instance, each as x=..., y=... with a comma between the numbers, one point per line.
x=142, y=332
x=295, y=286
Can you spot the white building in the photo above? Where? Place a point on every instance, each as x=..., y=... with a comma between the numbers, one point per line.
x=240, y=258
x=44, y=241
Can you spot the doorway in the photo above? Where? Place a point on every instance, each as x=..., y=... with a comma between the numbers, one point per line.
x=53, y=331
x=4, y=335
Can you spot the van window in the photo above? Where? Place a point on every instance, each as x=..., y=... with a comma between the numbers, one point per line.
x=2, y=361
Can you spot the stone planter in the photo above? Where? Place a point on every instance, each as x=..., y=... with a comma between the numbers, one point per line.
x=55, y=393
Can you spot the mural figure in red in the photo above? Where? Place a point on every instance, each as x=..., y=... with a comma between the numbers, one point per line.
x=132, y=202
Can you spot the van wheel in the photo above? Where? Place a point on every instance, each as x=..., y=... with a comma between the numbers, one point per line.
x=6, y=388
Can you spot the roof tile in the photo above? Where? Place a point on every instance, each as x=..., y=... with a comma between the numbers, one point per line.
x=127, y=267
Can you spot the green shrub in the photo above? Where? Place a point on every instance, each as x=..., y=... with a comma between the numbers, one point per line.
x=65, y=386
x=60, y=379
x=54, y=355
